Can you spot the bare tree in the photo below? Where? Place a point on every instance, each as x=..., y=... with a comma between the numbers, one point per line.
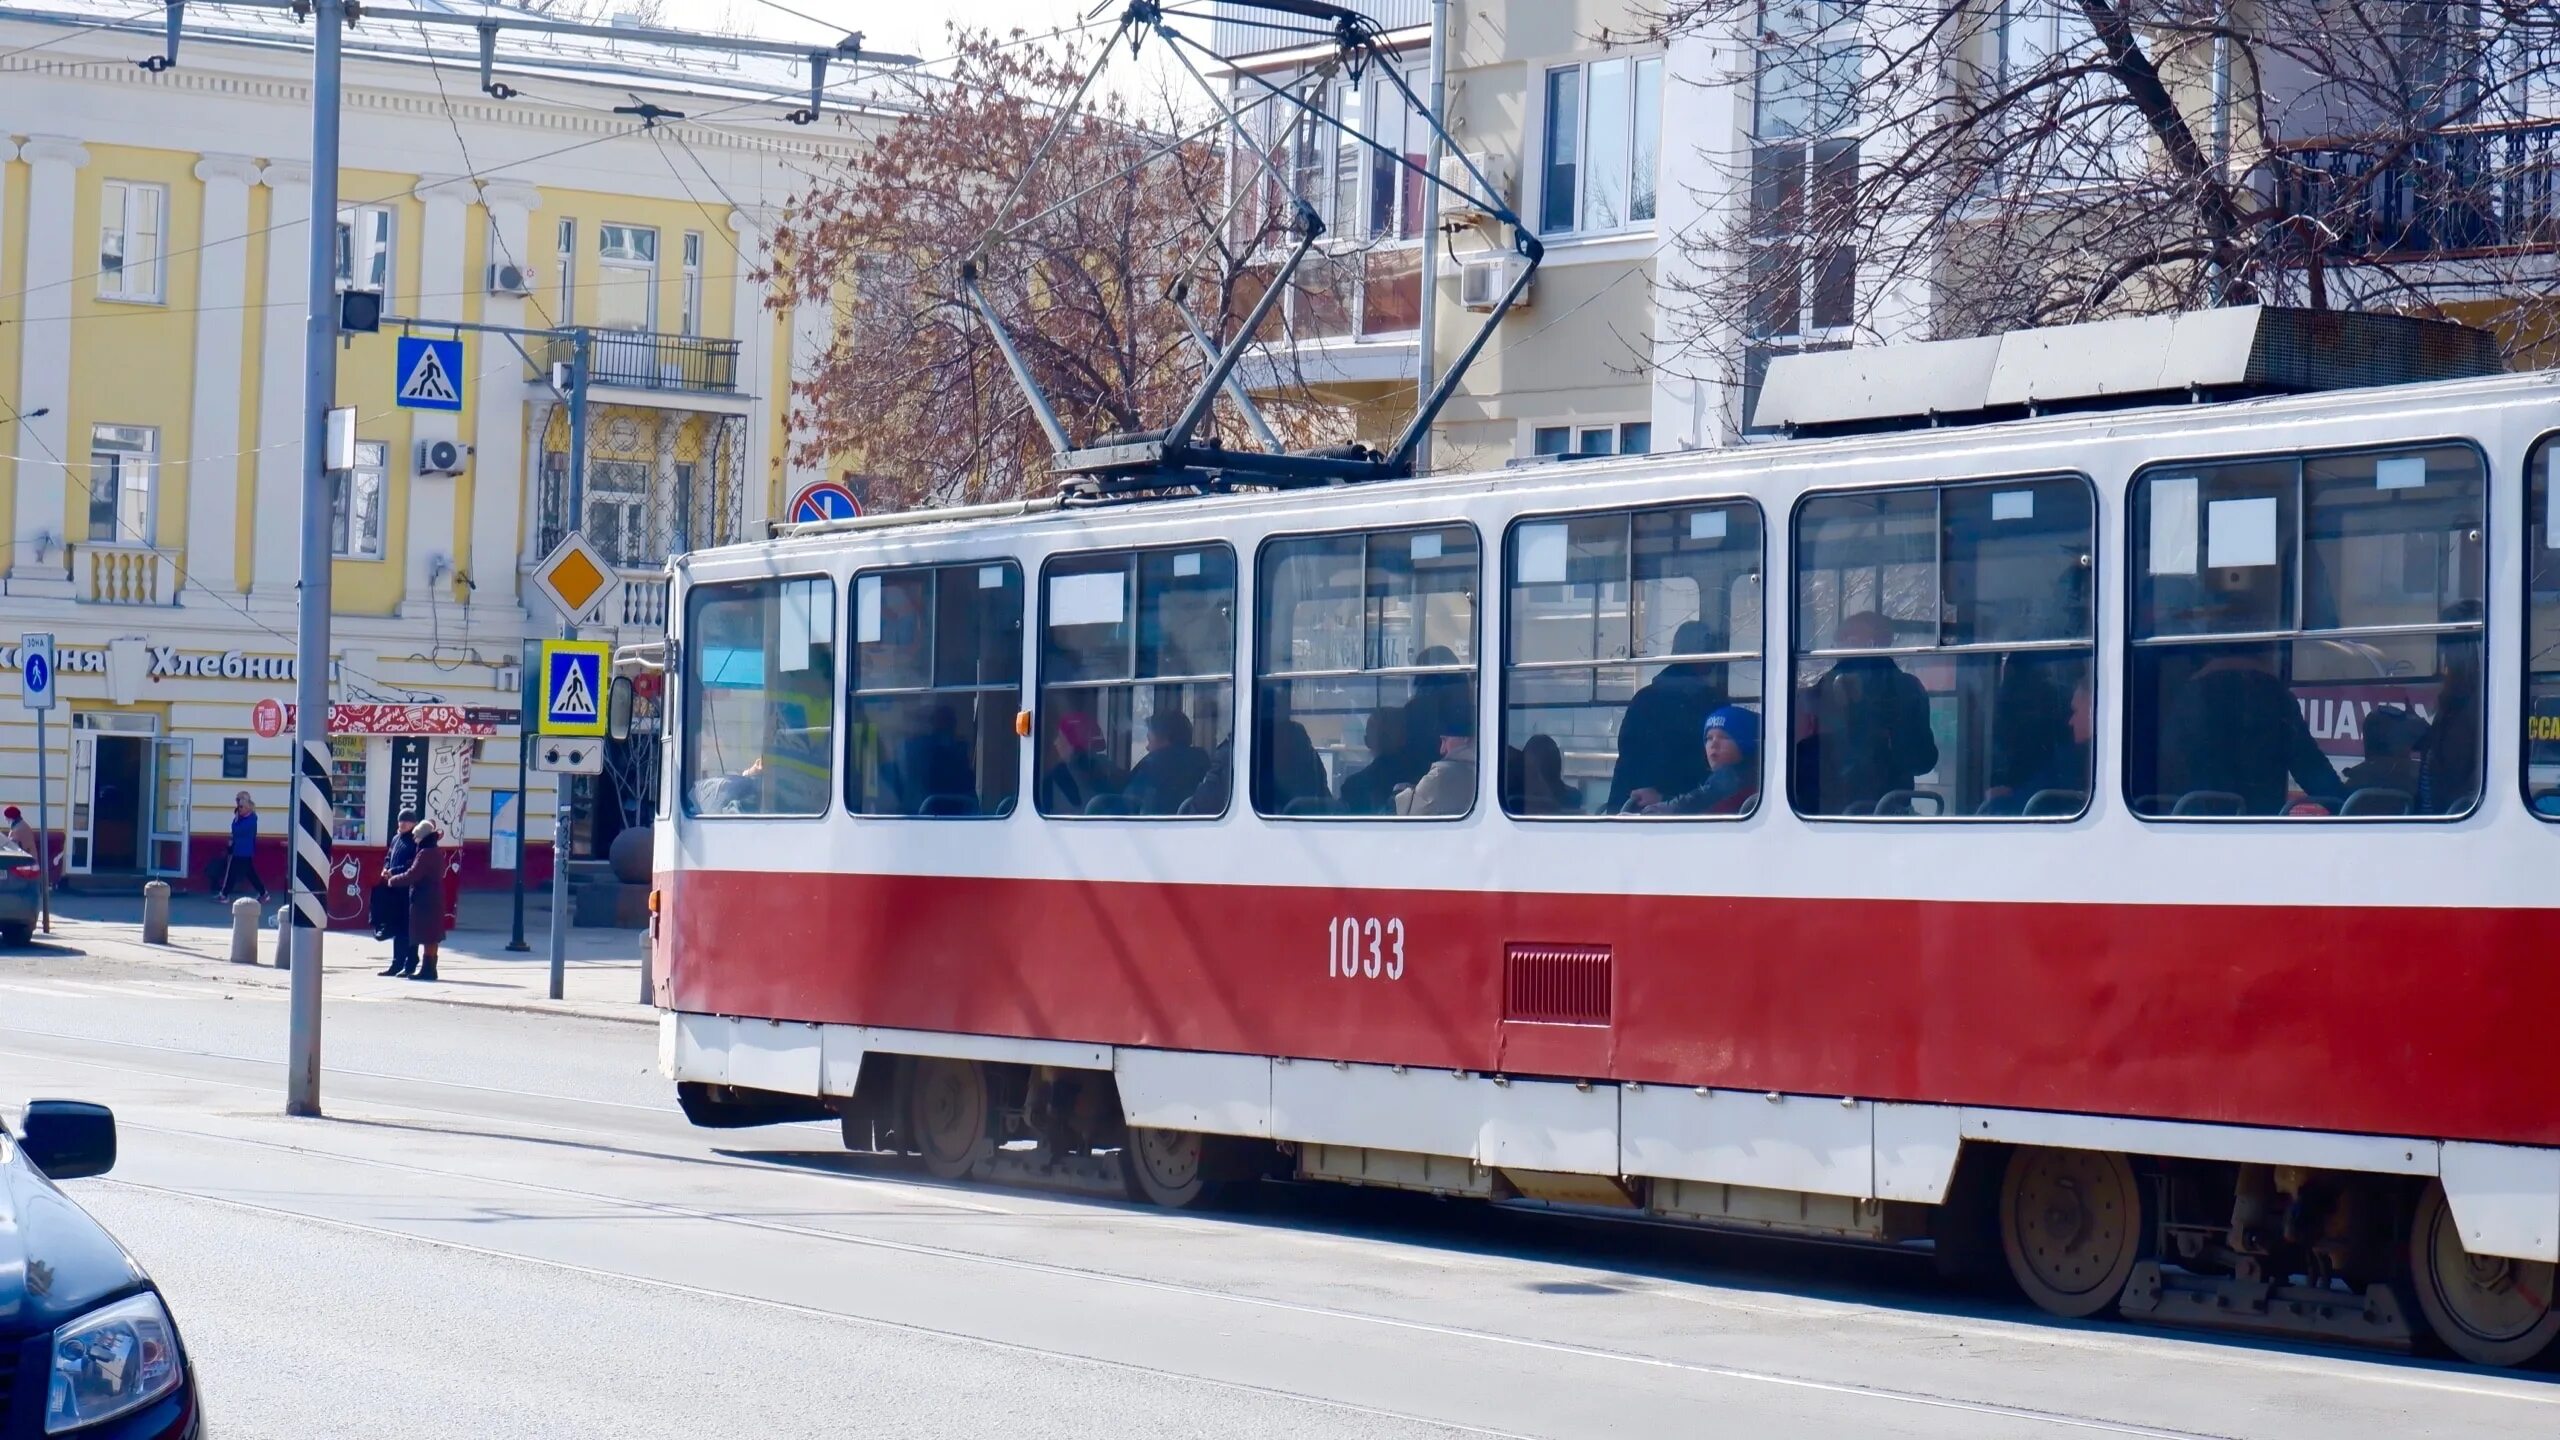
x=1927, y=169
x=1123, y=218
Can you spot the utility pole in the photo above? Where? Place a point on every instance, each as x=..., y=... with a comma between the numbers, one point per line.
x=1425, y=362
x=579, y=341
x=312, y=809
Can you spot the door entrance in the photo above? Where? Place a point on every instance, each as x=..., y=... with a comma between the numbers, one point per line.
x=119, y=801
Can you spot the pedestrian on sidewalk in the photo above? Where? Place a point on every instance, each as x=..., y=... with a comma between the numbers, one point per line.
x=242, y=858
x=423, y=878
x=391, y=904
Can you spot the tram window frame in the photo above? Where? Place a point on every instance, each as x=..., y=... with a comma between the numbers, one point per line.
x=2293, y=554
x=1133, y=556
x=1512, y=664
x=931, y=644
x=690, y=651
x=1473, y=669
x=2088, y=645
x=2541, y=545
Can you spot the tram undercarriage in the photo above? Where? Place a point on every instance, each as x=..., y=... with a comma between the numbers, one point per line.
x=2343, y=1257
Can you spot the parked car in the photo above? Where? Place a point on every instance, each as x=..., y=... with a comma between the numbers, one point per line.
x=18, y=877
x=87, y=1347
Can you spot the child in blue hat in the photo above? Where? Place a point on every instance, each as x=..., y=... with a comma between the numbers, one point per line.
x=1732, y=736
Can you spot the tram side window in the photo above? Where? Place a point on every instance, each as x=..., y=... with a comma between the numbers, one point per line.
x=1943, y=651
x=1137, y=682
x=2306, y=636
x=1367, y=669
x=933, y=684
x=760, y=685
x=2542, y=633
x=1632, y=634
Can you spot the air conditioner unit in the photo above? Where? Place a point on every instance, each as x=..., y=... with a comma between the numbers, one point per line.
x=441, y=457
x=1468, y=204
x=506, y=279
x=1483, y=282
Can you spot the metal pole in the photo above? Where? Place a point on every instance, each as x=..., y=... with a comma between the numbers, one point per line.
x=311, y=664
x=44, y=833
x=579, y=340
x=524, y=747
x=1424, y=358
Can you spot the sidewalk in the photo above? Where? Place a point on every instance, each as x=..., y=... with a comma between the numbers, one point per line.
x=601, y=974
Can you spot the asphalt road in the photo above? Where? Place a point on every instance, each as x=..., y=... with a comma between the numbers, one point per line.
x=504, y=1228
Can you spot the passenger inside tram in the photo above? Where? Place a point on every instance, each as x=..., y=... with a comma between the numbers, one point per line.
x=1731, y=758
x=1449, y=786
x=934, y=762
x=1657, y=738
x=2236, y=730
x=2040, y=751
x=2449, y=760
x=1870, y=737
x=1540, y=783
x=1371, y=789
x=1171, y=770
x=1079, y=771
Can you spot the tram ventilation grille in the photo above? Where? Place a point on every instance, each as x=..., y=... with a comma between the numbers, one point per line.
x=1556, y=984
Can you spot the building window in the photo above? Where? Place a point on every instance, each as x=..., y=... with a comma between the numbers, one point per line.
x=1801, y=273
x=124, y=485
x=355, y=503
x=1137, y=682
x=364, y=248
x=618, y=513
x=566, y=253
x=1632, y=437
x=1367, y=667
x=347, y=788
x=934, y=685
x=132, y=239
x=759, y=698
x=1603, y=145
x=1627, y=630
x=692, y=324
x=1943, y=644
x=2306, y=637
x=627, y=285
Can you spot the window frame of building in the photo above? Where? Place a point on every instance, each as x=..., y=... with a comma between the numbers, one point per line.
x=1795, y=161
x=1134, y=602
x=1727, y=505
x=615, y=270
x=124, y=485
x=2085, y=646
x=2294, y=592
x=565, y=251
x=1538, y=439
x=1568, y=180
x=361, y=492
x=2541, y=577
x=1331, y=170
x=820, y=604
x=133, y=229
x=617, y=498
x=368, y=249
x=981, y=692
x=1372, y=621
x=691, y=319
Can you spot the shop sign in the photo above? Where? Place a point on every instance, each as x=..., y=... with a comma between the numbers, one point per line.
x=168, y=662
x=408, y=775
x=348, y=719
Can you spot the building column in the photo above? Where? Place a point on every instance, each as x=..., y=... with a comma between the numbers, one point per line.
x=9, y=435
x=537, y=426
x=443, y=273
x=213, y=428
x=755, y=226
x=43, y=442
x=276, y=559
x=500, y=478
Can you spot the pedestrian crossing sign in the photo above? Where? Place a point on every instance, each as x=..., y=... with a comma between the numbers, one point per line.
x=429, y=374
x=573, y=687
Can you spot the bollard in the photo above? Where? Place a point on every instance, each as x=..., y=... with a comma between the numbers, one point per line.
x=284, y=936
x=155, y=913
x=244, y=931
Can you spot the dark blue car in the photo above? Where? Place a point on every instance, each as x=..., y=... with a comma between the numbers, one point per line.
x=86, y=1346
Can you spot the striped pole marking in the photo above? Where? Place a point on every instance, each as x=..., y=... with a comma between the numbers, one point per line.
x=312, y=813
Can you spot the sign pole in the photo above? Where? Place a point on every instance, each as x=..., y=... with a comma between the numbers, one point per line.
x=44, y=833
x=565, y=800
x=524, y=748
x=312, y=808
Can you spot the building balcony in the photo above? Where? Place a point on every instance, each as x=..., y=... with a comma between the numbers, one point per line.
x=644, y=360
x=638, y=603
x=123, y=575
x=2461, y=193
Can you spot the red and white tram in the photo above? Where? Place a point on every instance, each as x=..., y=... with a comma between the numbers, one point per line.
x=2139, y=867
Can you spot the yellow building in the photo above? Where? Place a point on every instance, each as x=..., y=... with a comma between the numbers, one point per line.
x=153, y=255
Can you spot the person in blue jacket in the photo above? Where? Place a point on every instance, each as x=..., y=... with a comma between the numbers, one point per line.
x=242, y=859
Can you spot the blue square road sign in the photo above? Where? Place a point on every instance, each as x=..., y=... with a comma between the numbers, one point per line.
x=427, y=374
x=573, y=687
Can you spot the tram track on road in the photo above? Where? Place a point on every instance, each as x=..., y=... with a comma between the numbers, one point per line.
x=1084, y=1274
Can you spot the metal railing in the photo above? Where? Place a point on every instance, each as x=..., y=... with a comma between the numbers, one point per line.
x=646, y=360
x=2476, y=190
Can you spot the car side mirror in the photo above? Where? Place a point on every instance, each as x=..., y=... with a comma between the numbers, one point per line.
x=68, y=1139
x=617, y=708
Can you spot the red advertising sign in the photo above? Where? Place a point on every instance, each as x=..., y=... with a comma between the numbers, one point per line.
x=267, y=718
x=390, y=720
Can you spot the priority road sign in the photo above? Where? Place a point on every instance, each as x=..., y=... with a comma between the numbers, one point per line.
x=35, y=671
x=574, y=577
x=573, y=687
x=429, y=374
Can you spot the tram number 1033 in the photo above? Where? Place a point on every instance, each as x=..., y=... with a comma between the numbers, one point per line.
x=1364, y=949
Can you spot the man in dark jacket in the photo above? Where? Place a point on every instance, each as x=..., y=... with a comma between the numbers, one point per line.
x=1871, y=732
x=1171, y=770
x=2236, y=729
x=1658, y=736
x=391, y=904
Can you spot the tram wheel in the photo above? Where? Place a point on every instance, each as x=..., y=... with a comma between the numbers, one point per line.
x=948, y=1113
x=2488, y=1309
x=2071, y=1225
x=1166, y=1167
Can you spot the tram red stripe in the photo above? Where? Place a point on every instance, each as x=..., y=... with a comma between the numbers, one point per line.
x=2331, y=1018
